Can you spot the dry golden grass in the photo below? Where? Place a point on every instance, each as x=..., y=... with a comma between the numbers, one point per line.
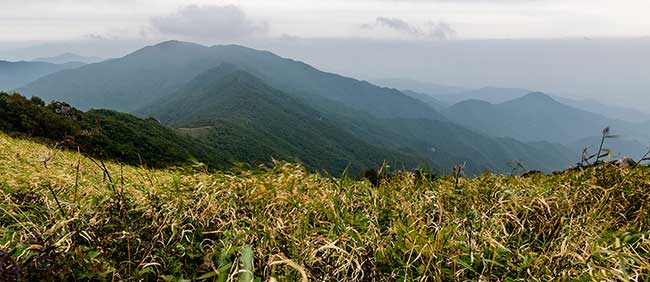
x=284, y=224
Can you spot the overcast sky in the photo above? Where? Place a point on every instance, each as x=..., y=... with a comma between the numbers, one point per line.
x=22, y=20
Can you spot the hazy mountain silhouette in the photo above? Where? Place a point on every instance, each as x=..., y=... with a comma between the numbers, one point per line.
x=611, y=111
x=17, y=74
x=535, y=117
x=68, y=58
x=419, y=86
x=133, y=81
x=428, y=99
x=494, y=95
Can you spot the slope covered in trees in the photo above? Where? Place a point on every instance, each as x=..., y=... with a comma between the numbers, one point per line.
x=103, y=134
x=242, y=116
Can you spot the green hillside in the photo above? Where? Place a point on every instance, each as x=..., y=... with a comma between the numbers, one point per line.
x=240, y=115
x=65, y=221
x=449, y=144
x=104, y=134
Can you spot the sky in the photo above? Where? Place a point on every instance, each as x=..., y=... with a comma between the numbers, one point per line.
x=28, y=20
x=579, y=48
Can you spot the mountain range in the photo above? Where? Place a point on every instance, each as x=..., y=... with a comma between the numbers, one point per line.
x=449, y=95
x=254, y=106
x=134, y=81
x=248, y=120
x=529, y=116
x=535, y=116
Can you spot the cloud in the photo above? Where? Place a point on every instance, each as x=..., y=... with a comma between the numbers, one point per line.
x=209, y=22
x=399, y=25
x=432, y=30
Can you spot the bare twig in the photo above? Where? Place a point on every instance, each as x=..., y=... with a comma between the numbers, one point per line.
x=56, y=199
x=76, y=179
x=602, y=141
x=106, y=170
x=459, y=170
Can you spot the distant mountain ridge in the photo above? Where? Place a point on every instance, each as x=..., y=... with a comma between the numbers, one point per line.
x=183, y=61
x=429, y=100
x=612, y=111
x=494, y=95
x=536, y=116
x=68, y=58
x=419, y=86
x=17, y=74
x=448, y=95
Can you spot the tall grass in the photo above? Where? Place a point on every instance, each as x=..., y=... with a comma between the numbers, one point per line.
x=67, y=220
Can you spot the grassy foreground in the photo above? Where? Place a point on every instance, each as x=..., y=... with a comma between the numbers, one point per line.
x=63, y=219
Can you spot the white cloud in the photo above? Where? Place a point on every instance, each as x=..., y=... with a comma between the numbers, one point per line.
x=432, y=30
x=209, y=22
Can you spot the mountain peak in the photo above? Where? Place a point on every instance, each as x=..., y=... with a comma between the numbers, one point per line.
x=176, y=44
x=472, y=103
x=172, y=50
x=534, y=97
x=538, y=95
x=172, y=43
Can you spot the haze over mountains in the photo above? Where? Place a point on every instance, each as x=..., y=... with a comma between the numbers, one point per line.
x=406, y=130
x=535, y=116
x=16, y=74
x=68, y=58
x=183, y=61
x=449, y=95
x=610, y=70
x=528, y=115
x=254, y=106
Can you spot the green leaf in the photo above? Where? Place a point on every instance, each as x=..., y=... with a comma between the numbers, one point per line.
x=207, y=275
x=246, y=265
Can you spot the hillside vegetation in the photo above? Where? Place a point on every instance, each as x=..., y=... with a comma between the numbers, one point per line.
x=103, y=134
x=65, y=218
x=240, y=115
